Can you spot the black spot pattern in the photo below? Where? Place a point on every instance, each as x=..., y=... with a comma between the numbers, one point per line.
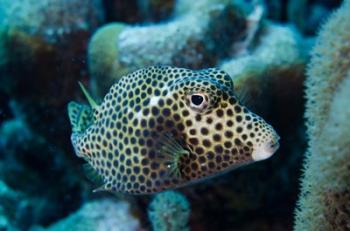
x=148, y=104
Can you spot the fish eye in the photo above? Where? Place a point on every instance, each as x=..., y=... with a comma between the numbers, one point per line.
x=198, y=101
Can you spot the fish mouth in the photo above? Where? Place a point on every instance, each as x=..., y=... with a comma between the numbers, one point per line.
x=266, y=150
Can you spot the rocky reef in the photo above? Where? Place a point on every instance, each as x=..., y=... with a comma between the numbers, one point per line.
x=47, y=46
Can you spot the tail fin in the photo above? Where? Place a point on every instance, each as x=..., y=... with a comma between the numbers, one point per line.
x=80, y=116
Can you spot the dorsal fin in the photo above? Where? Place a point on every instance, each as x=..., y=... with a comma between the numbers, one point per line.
x=80, y=116
x=91, y=101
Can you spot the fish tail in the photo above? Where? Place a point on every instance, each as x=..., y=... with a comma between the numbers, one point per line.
x=80, y=116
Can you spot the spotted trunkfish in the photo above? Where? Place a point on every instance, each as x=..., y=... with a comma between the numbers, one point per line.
x=164, y=127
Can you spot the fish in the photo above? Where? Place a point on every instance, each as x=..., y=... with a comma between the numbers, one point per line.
x=163, y=127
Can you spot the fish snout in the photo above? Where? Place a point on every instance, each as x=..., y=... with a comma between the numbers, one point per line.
x=266, y=149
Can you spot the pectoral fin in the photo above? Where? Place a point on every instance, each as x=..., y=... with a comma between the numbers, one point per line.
x=171, y=151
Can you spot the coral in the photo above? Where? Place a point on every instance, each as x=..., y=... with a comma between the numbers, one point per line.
x=338, y=209
x=324, y=201
x=327, y=69
x=184, y=7
x=98, y=215
x=278, y=47
x=180, y=42
x=16, y=141
x=325, y=184
x=51, y=19
x=47, y=40
x=41, y=174
x=280, y=52
x=9, y=200
x=196, y=39
x=169, y=211
x=307, y=17
x=17, y=211
x=102, y=65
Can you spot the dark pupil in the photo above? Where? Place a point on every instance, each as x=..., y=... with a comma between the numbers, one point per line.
x=197, y=99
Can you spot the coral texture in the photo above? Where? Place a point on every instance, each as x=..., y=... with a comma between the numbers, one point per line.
x=280, y=52
x=8, y=204
x=325, y=185
x=169, y=211
x=99, y=215
x=47, y=40
x=51, y=19
x=24, y=169
x=195, y=39
x=103, y=55
x=324, y=202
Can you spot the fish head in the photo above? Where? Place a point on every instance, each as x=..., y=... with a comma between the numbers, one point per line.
x=219, y=132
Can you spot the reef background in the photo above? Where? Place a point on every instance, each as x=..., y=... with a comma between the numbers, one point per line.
x=268, y=47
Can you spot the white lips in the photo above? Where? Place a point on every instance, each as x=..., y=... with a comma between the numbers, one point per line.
x=265, y=150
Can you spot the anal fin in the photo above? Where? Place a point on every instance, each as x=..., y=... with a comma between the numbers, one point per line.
x=92, y=175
